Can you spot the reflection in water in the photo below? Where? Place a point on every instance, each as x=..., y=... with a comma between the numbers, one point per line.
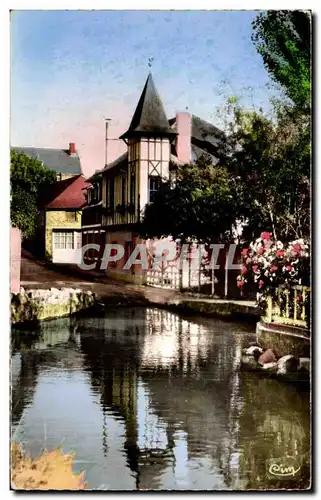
x=149, y=400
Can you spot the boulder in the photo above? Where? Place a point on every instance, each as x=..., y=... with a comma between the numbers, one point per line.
x=255, y=344
x=268, y=356
x=270, y=367
x=248, y=363
x=287, y=364
x=253, y=350
x=304, y=365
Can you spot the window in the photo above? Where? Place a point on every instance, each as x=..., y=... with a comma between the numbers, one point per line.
x=132, y=188
x=111, y=202
x=123, y=191
x=154, y=185
x=63, y=241
x=71, y=216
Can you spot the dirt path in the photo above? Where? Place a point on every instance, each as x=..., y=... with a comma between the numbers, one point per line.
x=35, y=274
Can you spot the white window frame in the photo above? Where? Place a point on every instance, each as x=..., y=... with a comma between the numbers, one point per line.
x=63, y=240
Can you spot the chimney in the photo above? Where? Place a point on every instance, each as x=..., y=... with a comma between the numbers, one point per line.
x=183, y=139
x=72, y=148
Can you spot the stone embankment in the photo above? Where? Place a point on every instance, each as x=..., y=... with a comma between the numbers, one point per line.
x=38, y=305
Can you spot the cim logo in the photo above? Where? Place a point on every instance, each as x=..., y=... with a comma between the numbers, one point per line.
x=286, y=467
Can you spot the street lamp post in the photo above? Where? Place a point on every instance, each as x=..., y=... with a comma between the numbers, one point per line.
x=106, y=139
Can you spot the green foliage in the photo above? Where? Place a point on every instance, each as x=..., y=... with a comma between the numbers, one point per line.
x=271, y=166
x=199, y=205
x=27, y=177
x=282, y=38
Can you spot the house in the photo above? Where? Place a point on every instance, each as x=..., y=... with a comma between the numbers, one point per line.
x=65, y=162
x=120, y=191
x=61, y=204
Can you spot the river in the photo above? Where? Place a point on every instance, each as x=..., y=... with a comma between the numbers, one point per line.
x=148, y=399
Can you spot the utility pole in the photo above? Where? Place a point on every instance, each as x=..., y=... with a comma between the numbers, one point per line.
x=106, y=138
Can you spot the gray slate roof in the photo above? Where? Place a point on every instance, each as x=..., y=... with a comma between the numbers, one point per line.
x=122, y=160
x=205, y=138
x=149, y=117
x=58, y=160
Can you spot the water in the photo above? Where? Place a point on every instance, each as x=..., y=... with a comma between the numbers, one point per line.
x=150, y=400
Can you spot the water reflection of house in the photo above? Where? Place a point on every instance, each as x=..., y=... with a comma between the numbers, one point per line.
x=150, y=384
x=32, y=350
x=277, y=427
x=195, y=387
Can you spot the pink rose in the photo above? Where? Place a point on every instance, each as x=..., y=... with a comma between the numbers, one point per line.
x=261, y=250
x=260, y=283
x=244, y=252
x=240, y=284
x=244, y=270
x=297, y=247
x=266, y=236
x=289, y=268
x=274, y=268
x=255, y=268
x=279, y=253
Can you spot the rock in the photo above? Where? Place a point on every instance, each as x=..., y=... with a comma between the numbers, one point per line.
x=255, y=344
x=287, y=364
x=248, y=363
x=267, y=357
x=304, y=365
x=254, y=351
x=271, y=367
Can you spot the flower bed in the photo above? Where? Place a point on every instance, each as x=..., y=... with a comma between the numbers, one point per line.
x=281, y=273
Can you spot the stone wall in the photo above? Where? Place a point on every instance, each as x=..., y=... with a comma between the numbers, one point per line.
x=227, y=309
x=284, y=339
x=40, y=305
x=15, y=259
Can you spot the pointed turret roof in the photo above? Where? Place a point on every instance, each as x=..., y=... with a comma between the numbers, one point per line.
x=149, y=118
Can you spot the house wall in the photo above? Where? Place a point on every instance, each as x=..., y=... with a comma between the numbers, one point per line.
x=15, y=259
x=115, y=270
x=146, y=157
x=60, y=219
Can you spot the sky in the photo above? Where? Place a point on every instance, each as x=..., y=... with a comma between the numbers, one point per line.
x=72, y=69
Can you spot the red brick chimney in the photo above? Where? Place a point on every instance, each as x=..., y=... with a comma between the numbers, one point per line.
x=183, y=139
x=72, y=148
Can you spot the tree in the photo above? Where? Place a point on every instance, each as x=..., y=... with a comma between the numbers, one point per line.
x=283, y=40
x=270, y=163
x=198, y=206
x=27, y=177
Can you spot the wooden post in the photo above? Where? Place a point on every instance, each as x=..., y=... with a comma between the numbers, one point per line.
x=213, y=278
x=295, y=311
x=269, y=309
x=287, y=293
x=303, y=303
x=199, y=268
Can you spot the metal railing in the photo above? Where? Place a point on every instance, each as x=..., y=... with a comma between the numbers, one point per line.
x=289, y=306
